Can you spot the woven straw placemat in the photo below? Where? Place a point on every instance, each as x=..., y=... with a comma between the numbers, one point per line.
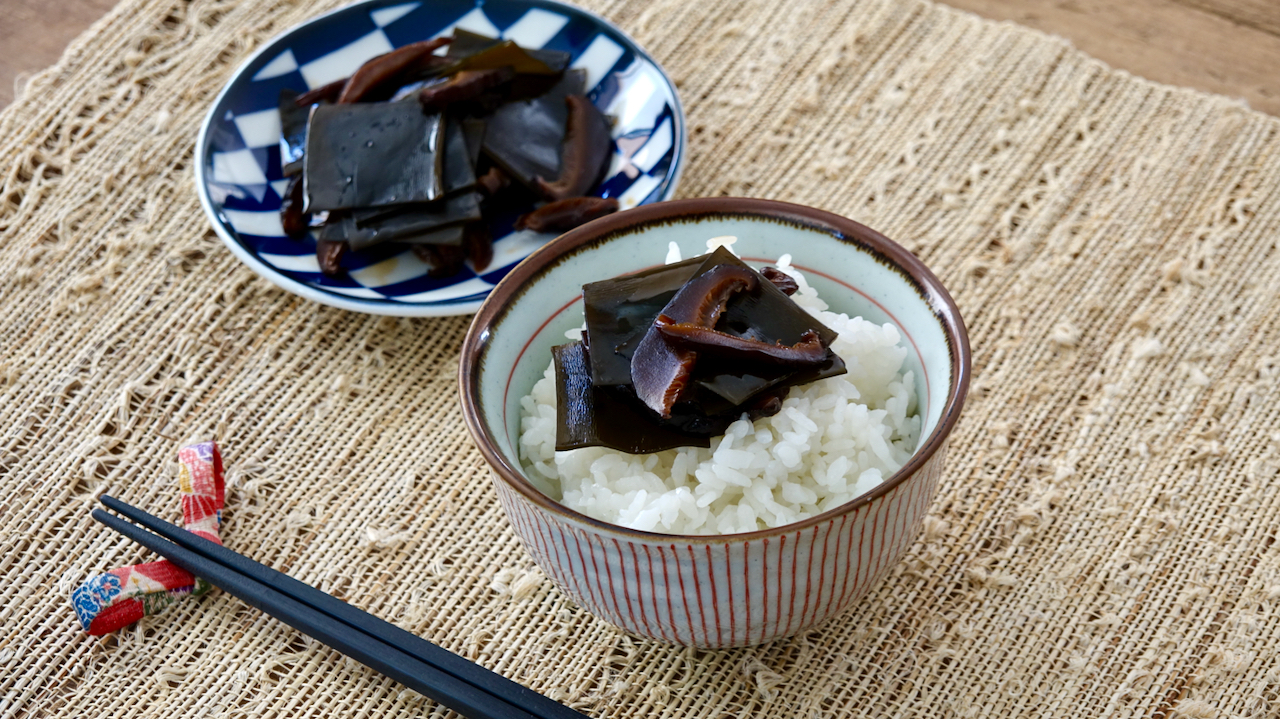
x=1104, y=540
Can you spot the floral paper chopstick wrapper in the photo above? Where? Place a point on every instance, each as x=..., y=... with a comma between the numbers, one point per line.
x=107, y=602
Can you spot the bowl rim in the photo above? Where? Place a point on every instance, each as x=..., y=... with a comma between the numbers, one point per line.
x=840, y=228
x=443, y=308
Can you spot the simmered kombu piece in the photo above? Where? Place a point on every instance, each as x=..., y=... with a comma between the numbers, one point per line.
x=750, y=343
x=524, y=137
x=584, y=154
x=292, y=219
x=403, y=65
x=590, y=416
x=324, y=93
x=768, y=315
x=660, y=369
x=373, y=227
x=754, y=365
x=467, y=44
x=366, y=84
x=566, y=214
x=445, y=260
x=463, y=87
x=451, y=235
x=711, y=344
x=478, y=244
x=473, y=132
x=293, y=132
x=329, y=255
x=505, y=54
x=458, y=165
x=493, y=181
x=620, y=311
x=371, y=155
x=336, y=228
x=780, y=279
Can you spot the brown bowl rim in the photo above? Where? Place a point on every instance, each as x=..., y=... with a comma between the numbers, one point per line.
x=842, y=229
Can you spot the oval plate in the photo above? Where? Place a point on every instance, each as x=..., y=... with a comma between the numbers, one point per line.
x=238, y=170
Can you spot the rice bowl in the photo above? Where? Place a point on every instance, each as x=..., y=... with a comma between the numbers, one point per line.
x=716, y=590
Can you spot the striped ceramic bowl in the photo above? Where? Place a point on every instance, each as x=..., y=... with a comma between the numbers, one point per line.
x=728, y=590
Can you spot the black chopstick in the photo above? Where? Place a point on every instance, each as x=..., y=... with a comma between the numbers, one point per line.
x=387, y=632
x=486, y=696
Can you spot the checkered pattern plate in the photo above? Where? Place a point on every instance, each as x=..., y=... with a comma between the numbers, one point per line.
x=239, y=169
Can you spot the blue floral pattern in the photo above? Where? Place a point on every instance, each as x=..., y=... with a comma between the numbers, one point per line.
x=89, y=598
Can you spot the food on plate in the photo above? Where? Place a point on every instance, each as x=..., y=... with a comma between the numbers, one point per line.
x=585, y=152
x=463, y=86
x=566, y=214
x=329, y=255
x=382, y=70
x=372, y=155
x=706, y=397
x=294, y=221
x=469, y=44
x=428, y=148
x=524, y=137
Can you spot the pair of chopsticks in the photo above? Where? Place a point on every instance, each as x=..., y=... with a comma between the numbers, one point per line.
x=430, y=670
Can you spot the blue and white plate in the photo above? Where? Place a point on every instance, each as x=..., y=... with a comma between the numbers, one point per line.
x=239, y=171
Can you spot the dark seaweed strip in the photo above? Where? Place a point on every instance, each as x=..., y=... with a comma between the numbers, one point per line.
x=451, y=235
x=293, y=220
x=473, y=131
x=780, y=279
x=505, y=54
x=372, y=154
x=324, y=93
x=329, y=255
x=660, y=369
x=584, y=154
x=589, y=416
x=458, y=165
x=767, y=314
x=524, y=137
x=564, y=215
x=466, y=44
x=462, y=87
x=733, y=350
x=387, y=68
x=592, y=416
x=478, y=243
x=619, y=312
x=412, y=220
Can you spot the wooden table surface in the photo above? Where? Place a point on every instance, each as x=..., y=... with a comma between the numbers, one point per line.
x=1231, y=47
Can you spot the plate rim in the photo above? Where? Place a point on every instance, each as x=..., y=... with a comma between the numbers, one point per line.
x=388, y=307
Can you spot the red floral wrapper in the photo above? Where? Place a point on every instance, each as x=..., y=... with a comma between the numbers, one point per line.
x=107, y=602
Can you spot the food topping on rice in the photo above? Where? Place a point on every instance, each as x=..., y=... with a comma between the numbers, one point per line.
x=705, y=397
x=680, y=352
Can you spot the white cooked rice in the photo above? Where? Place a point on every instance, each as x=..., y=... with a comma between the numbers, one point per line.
x=834, y=440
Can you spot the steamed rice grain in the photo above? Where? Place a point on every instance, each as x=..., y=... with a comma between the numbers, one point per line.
x=834, y=440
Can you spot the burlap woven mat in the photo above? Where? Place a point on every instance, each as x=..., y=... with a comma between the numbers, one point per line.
x=1104, y=542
